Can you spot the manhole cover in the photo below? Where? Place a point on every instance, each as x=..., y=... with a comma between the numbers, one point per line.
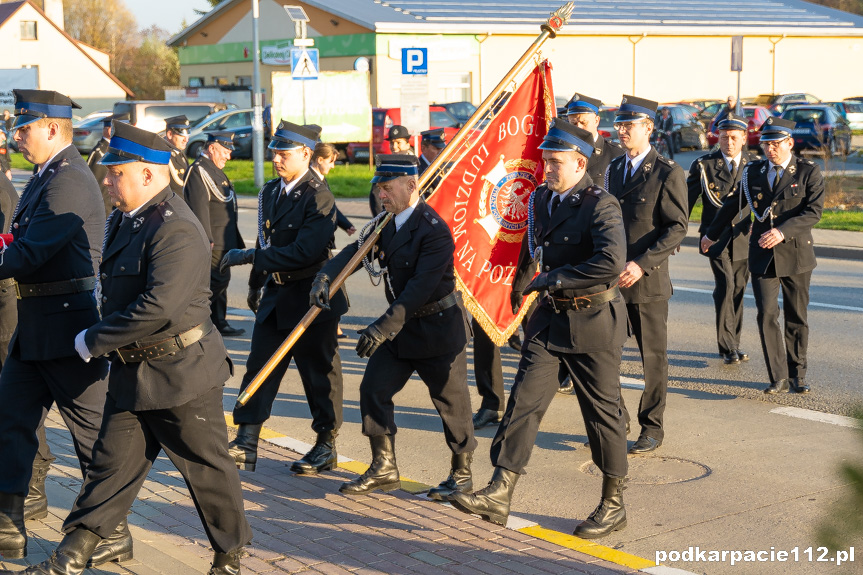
x=657, y=470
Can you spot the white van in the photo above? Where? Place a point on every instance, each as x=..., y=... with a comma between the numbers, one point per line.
x=150, y=114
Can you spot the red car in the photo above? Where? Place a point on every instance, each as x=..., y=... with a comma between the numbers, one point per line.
x=385, y=118
x=756, y=115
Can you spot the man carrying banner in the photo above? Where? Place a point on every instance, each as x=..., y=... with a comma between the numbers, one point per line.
x=424, y=330
x=575, y=234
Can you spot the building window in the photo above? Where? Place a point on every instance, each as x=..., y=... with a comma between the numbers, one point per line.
x=196, y=81
x=453, y=87
x=220, y=81
x=244, y=80
x=28, y=30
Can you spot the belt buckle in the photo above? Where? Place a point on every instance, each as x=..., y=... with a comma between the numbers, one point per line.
x=277, y=278
x=17, y=290
x=553, y=304
x=583, y=306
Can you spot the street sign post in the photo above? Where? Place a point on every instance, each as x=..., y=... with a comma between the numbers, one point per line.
x=414, y=101
x=737, y=64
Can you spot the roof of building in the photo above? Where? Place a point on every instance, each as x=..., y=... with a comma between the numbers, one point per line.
x=690, y=17
x=8, y=9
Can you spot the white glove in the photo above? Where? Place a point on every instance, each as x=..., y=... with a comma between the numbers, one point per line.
x=81, y=347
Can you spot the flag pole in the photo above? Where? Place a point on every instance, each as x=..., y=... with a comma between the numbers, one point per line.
x=549, y=29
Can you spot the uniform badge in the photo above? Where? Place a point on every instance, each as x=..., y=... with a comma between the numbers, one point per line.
x=763, y=169
x=267, y=224
x=576, y=197
x=792, y=169
x=647, y=167
x=225, y=183
x=712, y=185
x=755, y=204
x=759, y=196
x=169, y=213
x=137, y=222
x=434, y=220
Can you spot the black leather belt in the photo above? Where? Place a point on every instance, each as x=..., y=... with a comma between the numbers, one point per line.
x=8, y=282
x=583, y=301
x=64, y=287
x=438, y=306
x=165, y=347
x=281, y=278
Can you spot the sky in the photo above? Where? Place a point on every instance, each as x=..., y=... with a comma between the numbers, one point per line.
x=167, y=14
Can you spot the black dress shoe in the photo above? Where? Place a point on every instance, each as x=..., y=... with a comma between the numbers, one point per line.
x=730, y=358
x=799, y=385
x=229, y=331
x=742, y=355
x=645, y=444
x=485, y=417
x=566, y=387
x=780, y=386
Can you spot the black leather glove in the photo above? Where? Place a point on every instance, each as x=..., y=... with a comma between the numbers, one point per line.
x=237, y=258
x=516, y=299
x=539, y=283
x=320, y=294
x=370, y=340
x=254, y=299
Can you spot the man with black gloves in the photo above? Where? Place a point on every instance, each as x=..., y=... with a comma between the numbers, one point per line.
x=296, y=225
x=579, y=243
x=424, y=330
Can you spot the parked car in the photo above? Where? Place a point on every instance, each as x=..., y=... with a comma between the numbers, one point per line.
x=86, y=133
x=709, y=112
x=224, y=120
x=150, y=114
x=461, y=111
x=688, y=132
x=819, y=127
x=756, y=115
x=385, y=118
x=701, y=104
x=851, y=110
x=777, y=103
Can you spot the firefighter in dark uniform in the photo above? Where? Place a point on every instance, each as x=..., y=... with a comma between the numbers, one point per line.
x=209, y=193
x=177, y=135
x=424, y=330
x=786, y=196
x=168, y=365
x=651, y=190
x=433, y=141
x=8, y=301
x=575, y=233
x=583, y=111
x=400, y=143
x=57, y=227
x=712, y=177
x=98, y=151
x=296, y=225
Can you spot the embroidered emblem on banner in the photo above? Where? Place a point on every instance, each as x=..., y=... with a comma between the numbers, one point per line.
x=504, y=197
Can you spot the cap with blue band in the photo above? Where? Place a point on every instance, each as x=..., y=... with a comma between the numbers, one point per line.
x=633, y=108
x=581, y=104
x=392, y=166
x=732, y=122
x=565, y=137
x=775, y=129
x=434, y=138
x=131, y=144
x=289, y=136
x=33, y=105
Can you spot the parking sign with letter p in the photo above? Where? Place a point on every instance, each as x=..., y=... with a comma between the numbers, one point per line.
x=415, y=61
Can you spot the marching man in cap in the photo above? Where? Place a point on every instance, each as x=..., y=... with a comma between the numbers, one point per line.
x=713, y=177
x=98, y=151
x=400, y=143
x=576, y=236
x=786, y=196
x=652, y=194
x=57, y=227
x=431, y=145
x=168, y=366
x=583, y=111
x=209, y=193
x=423, y=330
x=296, y=225
x=177, y=136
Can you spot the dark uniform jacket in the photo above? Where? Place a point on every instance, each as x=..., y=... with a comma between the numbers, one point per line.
x=797, y=201
x=99, y=171
x=419, y=260
x=217, y=217
x=654, y=209
x=179, y=168
x=603, y=152
x=300, y=230
x=155, y=285
x=583, y=252
x=720, y=185
x=58, y=233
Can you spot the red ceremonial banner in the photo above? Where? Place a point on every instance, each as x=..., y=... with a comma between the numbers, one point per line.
x=484, y=198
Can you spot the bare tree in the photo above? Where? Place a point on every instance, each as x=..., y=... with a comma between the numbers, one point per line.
x=107, y=25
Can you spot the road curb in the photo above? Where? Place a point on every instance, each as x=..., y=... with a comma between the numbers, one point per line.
x=821, y=251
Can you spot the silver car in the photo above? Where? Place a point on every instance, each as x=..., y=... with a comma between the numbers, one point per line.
x=224, y=120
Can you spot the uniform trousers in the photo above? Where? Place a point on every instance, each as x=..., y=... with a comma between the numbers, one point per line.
x=195, y=438
x=28, y=389
x=785, y=354
x=649, y=323
x=730, y=279
x=487, y=369
x=596, y=380
x=445, y=377
x=219, y=287
x=319, y=366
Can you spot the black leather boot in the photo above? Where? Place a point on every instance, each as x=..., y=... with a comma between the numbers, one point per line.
x=13, y=536
x=492, y=502
x=226, y=563
x=610, y=515
x=117, y=547
x=71, y=555
x=244, y=447
x=322, y=456
x=382, y=474
x=36, y=503
x=459, y=479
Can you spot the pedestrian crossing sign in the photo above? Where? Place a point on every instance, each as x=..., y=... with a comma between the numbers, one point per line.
x=304, y=63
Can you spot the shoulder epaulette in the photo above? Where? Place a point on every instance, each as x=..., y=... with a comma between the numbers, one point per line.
x=430, y=217
x=663, y=159
x=595, y=190
x=165, y=209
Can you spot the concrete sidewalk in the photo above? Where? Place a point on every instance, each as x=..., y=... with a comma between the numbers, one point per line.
x=302, y=524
